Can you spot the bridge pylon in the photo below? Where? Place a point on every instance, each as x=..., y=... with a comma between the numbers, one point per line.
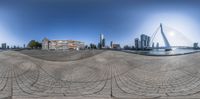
x=167, y=45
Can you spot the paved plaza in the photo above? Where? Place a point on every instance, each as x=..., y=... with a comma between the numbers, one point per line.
x=97, y=75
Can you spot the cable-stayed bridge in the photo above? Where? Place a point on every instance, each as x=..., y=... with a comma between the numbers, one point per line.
x=164, y=33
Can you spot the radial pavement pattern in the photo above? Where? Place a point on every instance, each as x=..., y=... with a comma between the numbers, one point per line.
x=110, y=73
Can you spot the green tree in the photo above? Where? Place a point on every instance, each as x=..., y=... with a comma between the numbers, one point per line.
x=34, y=44
x=93, y=46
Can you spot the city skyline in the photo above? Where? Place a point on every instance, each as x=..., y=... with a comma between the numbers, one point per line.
x=119, y=21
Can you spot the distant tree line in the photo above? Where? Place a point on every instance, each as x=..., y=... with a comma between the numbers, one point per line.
x=91, y=46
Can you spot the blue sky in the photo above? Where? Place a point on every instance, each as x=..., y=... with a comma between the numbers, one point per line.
x=119, y=20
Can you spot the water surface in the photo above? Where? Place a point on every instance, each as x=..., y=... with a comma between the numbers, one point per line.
x=162, y=52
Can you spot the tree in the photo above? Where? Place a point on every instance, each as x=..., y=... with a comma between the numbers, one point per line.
x=93, y=46
x=86, y=46
x=34, y=44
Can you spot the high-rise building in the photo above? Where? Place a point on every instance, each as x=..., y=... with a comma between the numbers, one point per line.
x=195, y=45
x=157, y=45
x=137, y=43
x=148, y=41
x=24, y=46
x=3, y=46
x=102, y=41
x=142, y=38
x=145, y=41
x=111, y=44
x=153, y=45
